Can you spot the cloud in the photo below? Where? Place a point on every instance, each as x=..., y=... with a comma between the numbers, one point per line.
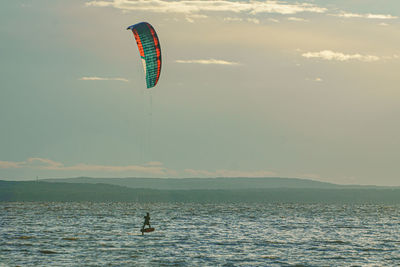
x=337, y=56
x=314, y=79
x=273, y=20
x=108, y=168
x=95, y=78
x=228, y=173
x=229, y=19
x=365, y=16
x=196, y=6
x=297, y=19
x=253, y=20
x=210, y=61
x=43, y=164
x=10, y=164
x=155, y=168
x=190, y=18
x=37, y=163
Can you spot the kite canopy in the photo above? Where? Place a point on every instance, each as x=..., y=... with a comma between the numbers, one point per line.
x=150, y=51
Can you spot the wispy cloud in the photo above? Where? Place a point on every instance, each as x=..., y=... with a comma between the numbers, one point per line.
x=154, y=163
x=337, y=56
x=314, y=79
x=43, y=164
x=95, y=78
x=227, y=173
x=273, y=20
x=230, y=19
x=364, y=16
x=191, y=17
x=155, y=168
x=188, y=7
x=253, y=20
x=207, y=62
x=235, y=19
x=10, y=165
x=297, y=19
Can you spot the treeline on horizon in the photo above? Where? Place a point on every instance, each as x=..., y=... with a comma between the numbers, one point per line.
x=68, y=192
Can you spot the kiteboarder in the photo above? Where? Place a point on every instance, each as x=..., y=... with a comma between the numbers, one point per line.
x=146, y=220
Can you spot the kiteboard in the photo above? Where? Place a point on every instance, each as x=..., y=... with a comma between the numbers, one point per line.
x=147, y=230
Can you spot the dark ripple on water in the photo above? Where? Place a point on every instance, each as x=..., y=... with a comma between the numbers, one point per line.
x=199, y=234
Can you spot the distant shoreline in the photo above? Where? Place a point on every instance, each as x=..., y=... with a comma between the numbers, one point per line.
x=213, y=183
x=12, y=191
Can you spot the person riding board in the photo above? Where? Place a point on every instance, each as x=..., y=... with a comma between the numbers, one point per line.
x=146, y=221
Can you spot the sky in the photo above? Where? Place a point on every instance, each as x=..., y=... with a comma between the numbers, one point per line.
x=306, y=89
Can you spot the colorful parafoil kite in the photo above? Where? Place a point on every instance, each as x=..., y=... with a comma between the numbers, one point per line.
x=150, y=51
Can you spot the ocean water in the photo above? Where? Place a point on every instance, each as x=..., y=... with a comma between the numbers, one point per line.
x=107, y=234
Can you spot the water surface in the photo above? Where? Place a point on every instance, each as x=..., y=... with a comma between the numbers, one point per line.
x=92, y=234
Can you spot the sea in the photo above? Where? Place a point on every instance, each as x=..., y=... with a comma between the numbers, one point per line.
x=188, y=234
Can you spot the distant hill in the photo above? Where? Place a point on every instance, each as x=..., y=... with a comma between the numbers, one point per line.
x=205, y=183
x=49, y=191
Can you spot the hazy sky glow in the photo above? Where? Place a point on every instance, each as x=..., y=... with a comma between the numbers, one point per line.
x=248, y=88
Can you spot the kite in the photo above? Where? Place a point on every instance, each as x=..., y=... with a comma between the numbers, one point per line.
x=150, y=51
